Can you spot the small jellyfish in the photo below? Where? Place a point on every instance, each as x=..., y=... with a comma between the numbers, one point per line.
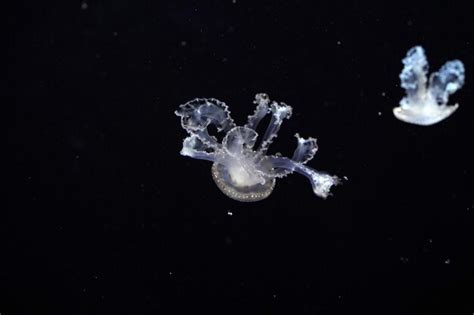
x=241, y=170
x=426, y=102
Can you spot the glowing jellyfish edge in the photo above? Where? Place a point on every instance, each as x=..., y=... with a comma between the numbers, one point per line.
x=242, y=172
x=426, y=102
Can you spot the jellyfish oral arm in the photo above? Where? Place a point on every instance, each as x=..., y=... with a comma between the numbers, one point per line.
x=261, y=110
x=279, y=112
x=195, y=148
x=305, y=150
x=199, y=155
x=413, y=77
x=446, y=81
x=320, y=182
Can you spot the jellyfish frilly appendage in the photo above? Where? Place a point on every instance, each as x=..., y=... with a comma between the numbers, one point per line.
x=426, y=101
x=242, y=170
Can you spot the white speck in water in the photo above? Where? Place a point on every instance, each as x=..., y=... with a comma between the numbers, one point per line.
x=404, y=259
x=383, y=94
x=229, y=213
x=274, y=296
x=115, y=33
x=234, y=1
x=84, y=5
x=447, y=261
x=183, y=43
x=346, y=178
x=170, y=273
x=339, y=43
x=379, y=113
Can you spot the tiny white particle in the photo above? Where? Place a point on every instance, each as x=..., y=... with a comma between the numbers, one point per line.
x=274, y=296
x=339, y=42
x=379, y=113
x=77, y=157
x=234, y=1
x=115, y=33
x=183, y=43
x=170, y=273
x=346, y=178
x=383, y=94
x=229, y=213
x=447, y=261
x=84, y=6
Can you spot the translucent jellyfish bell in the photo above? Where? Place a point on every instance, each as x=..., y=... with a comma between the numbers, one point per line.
x=426, y=102
x=242, y=171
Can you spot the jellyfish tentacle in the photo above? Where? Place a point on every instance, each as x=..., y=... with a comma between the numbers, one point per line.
x=197, y=114
x=321, y=182
x=279, y=112
x=305, y=150
x=414, y=74
x=204, y=111
x=447, y=80
x=238, y=139
x=195, y=148
x=206, y=138
x=262, y=100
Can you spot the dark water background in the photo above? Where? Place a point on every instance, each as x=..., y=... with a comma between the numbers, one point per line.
x=105, y=217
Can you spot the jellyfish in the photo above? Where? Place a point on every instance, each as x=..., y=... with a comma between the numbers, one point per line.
x=241, y=169
x=426, y=102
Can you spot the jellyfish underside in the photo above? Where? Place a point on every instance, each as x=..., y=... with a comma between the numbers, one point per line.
x=426, y=101
x=244, y=188
x=241, y=170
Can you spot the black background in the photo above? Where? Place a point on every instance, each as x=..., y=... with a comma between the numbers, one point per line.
x=105, y=217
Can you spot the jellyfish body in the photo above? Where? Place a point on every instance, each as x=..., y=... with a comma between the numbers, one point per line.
x=241, y=170
x=426, y=101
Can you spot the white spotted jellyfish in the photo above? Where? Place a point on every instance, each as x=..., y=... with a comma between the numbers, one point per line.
x=241, y=170
x=426, y=101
